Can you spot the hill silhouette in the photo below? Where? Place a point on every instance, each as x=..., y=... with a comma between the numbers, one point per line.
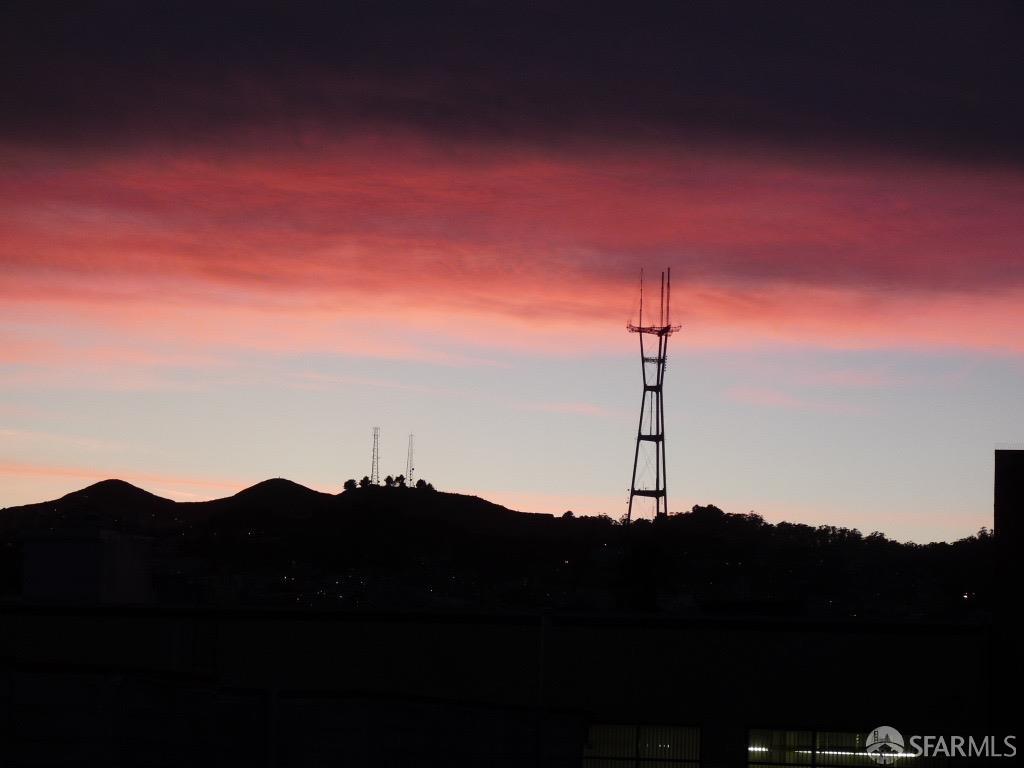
x=262, y=502
x=108, y=504
x=280, y=543
x=111, y=492
x=276, y=492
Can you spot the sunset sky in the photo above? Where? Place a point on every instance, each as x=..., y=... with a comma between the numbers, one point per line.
x=236, y=240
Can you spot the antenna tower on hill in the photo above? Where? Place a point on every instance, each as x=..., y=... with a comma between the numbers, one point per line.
x=409, y=467
x=650, y=433
x=375, y=459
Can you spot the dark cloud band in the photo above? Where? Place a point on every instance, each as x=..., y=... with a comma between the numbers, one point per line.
x=933, y=78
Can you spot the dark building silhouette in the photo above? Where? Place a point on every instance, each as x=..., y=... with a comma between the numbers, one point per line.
x=283, y=688
x=86, y=567
x=1008, y=509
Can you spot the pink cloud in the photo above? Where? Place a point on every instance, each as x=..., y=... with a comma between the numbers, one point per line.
x=80, y=476
x=410, y=250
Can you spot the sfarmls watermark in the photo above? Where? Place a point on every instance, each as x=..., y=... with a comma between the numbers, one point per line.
x=885, y=745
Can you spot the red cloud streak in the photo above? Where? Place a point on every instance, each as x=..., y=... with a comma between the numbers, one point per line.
x=393, y=229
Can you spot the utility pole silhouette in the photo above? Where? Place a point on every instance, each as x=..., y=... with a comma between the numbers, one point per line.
x=409, y=468
x=375, y=458
x=651, y=428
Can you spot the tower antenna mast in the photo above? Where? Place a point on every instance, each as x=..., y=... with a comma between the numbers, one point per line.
x=409, y=467
x=650, y=432
x=375, y=458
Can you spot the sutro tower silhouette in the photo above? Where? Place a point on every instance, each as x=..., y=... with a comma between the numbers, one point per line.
x=651, y=429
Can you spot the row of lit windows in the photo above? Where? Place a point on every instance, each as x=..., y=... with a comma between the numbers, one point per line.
x=623, y=746
x=768, y=748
